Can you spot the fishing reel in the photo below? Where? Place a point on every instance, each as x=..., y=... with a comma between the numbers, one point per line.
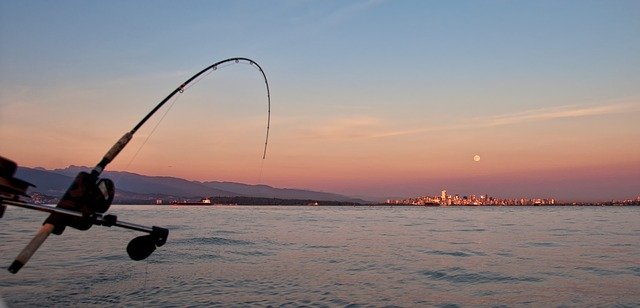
x=82, y=206
x=88, y=195
x=92, y=196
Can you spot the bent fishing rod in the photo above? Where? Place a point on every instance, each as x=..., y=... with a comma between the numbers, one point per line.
x=89, y=197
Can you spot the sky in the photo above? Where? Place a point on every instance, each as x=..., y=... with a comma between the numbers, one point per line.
x=374, y=99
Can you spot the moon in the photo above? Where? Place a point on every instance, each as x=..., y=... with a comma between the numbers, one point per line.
x=476, y=158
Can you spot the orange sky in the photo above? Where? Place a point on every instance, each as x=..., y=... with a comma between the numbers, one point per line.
x=360, y=104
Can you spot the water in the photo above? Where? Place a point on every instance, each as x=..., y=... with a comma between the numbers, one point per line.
x=335, y=256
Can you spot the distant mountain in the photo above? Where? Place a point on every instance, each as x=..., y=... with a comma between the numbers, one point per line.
x=143, y=184
x=131, y=187
x=47, y=182
x=265, y=191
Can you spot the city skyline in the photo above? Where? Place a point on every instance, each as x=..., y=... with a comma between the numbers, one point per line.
x=371, y=99
x=446, y=199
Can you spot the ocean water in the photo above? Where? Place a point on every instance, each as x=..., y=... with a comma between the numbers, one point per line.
x=335, y=257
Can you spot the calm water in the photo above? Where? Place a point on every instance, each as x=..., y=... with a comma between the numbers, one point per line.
x=335, y=256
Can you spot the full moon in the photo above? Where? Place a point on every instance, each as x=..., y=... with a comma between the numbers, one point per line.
x=476, y=158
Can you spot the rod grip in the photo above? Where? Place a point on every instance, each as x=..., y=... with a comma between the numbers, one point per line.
x=116, y=148
x=31, y=248
x=113, y=152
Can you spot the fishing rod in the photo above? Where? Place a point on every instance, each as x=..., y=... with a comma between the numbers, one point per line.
x=89, y=197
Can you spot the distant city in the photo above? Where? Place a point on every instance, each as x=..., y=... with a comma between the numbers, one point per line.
x=446, y=199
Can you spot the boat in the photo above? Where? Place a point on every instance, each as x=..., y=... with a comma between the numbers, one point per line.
x=202, y=202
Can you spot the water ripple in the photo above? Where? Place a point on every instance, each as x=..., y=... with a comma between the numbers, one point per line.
x=635, y=270
x=254, y=253
x=466, y=253
x=600, y=271
x=472, y=230
x=459, y=275
x=212, y=241
x=321, y=246
x=543, y=244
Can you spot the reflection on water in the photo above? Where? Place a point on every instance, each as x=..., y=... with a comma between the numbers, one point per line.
x=335, y=256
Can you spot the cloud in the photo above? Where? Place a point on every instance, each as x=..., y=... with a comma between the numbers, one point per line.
x=343, y=14
x=369, y=127
x=561, y=112
x=535, y=115
x=396, y=133
x=356, y=127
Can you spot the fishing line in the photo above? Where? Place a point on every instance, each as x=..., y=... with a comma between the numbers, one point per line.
x=188, y=84
x=173, y=101
x=261, y=169
x=144, y=288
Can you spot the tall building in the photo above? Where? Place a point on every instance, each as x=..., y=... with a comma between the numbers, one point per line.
x=443, y=196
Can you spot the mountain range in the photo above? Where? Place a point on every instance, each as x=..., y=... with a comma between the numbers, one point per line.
x=132, y=187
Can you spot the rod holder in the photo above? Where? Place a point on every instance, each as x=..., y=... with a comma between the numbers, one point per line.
x=139, y=248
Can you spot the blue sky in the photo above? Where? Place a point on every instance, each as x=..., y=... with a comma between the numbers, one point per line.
x=355, y=77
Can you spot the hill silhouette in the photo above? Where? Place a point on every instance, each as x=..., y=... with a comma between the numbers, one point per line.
x=132, y=187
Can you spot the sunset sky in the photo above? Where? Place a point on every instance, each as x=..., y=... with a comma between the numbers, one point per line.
x=374, y=99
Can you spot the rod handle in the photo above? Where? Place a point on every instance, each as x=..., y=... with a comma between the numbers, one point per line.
x=113, y=152
x=31, y=248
